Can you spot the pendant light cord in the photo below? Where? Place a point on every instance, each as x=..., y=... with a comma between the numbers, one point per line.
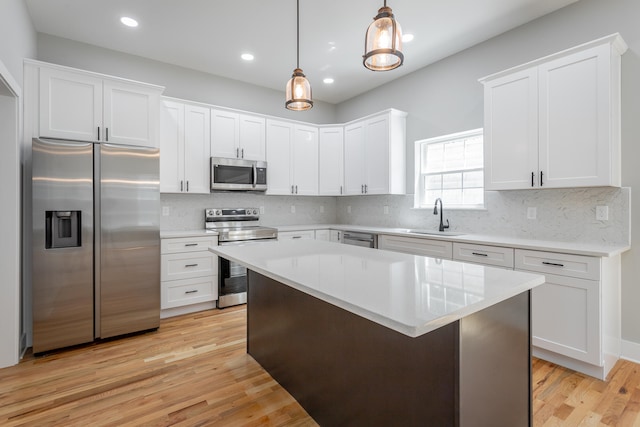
x=298, y=33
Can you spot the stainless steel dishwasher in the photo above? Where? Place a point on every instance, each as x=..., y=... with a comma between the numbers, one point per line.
x=367, y=240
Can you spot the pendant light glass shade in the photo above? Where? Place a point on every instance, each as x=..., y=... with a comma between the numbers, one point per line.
x=383, y=43
x=298, y=90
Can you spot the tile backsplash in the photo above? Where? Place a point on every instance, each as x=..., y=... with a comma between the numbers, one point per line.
x=186, y=211
x=561, y=214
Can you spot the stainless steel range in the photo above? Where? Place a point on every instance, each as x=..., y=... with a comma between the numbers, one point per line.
x=235, y=226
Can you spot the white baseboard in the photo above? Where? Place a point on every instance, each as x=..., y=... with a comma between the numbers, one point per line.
x=630, y=351
x=187, y=309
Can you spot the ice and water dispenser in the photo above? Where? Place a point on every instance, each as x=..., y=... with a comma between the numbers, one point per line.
x=63, y=229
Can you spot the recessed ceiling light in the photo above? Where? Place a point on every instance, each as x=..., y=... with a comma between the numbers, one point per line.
x=247, y=56
x=328, y=80
x=406, y=38
x=129, y=22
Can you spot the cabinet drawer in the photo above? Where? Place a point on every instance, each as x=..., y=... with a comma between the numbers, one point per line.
x=483, y=254
x=177, y=293
x=186, y=265
x=416, y=246
x=580, y=266
x=291, y=235
x=187, y=244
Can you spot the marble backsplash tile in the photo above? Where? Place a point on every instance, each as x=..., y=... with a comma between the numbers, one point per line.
x=186, y=211
x=562, y=214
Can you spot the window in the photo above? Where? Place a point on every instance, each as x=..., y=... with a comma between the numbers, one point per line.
x=450, y=167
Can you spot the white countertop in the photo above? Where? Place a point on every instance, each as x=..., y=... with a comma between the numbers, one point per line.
x=186, y=233
x=410, y=294
x=590, y=249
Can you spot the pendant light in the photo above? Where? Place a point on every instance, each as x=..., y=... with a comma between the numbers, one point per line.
x=298, y=89
x=383, y=42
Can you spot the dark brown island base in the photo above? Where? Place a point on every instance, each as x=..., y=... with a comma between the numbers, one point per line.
x=346, y=370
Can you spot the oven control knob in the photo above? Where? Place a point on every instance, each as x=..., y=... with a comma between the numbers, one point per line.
x=218, y=212
x=255, y=212
x=210, y=212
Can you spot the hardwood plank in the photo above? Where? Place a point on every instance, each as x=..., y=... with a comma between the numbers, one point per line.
x=194, y=371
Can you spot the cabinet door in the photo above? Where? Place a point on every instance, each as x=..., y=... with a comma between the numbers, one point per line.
x=331, y=161
x=225, y=132
x=305, y=160
x=377, y=155
x=335, y=235
x=130, y=114
x=354, y=158
x=297, y=235
x=171, y=147
x=565, y=317
x=197, y=144
x=416, y=246
x=575, y=120
x=511, y=131
x=279, y=142
x=252, y=137
x=70, y=105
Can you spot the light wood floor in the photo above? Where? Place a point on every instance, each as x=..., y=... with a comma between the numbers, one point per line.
x=194, y=371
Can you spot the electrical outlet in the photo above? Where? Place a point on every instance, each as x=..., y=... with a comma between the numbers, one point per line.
x=532, y=213
x=348, y=209
x=321, y=208
x=166, y=211
x=261, y=210
x=386, y=210
x=293, y=208
x=602, y=213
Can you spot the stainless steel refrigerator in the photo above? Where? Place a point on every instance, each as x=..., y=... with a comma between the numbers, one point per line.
x=96, y=241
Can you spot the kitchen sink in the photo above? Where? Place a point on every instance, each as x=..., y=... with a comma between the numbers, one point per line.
x=435, y=232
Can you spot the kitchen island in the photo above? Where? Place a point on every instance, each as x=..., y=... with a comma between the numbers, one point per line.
x=361, y=336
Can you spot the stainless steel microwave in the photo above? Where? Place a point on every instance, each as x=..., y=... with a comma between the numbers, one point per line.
x=238, y=174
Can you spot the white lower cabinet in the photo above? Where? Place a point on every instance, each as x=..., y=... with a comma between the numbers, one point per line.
x=416, y=246
x=189, y=275
x=483, y=254
x=329, y=235
x=576, y=313
x=297, y=235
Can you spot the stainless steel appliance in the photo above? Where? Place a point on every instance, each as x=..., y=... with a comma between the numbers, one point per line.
x=235, y=226
x=96, y=242
x=367, y=240
x=238, y=174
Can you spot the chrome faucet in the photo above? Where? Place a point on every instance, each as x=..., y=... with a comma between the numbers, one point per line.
x=435, y=212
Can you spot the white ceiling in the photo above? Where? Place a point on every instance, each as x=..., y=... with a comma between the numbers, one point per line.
x=210, y=35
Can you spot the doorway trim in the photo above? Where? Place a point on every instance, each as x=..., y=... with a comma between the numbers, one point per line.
x=10, y=214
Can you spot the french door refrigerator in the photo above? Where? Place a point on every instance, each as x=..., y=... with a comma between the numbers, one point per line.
x=96, y=241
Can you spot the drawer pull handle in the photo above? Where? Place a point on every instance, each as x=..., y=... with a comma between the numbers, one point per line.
x=191, y=244
x=478, y=254
x=553, y=263
x=191, y=292
x=296, y=237
x=191, y=265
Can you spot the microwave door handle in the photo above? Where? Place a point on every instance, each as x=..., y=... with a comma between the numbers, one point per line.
x=255, y=175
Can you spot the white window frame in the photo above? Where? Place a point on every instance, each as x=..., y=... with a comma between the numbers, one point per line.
x=418, y=203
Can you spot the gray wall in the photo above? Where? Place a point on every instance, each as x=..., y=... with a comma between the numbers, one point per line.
x=446, y=97
x=179, y=82
x=17, y=36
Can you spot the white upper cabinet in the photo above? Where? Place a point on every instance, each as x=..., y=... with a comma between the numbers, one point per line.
x=84, y=106
x=305, y=160
x=331, y=161
x=292, y=158
x=555, y=122
x=184, y=150
x=235, y=135
x=374, y=154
